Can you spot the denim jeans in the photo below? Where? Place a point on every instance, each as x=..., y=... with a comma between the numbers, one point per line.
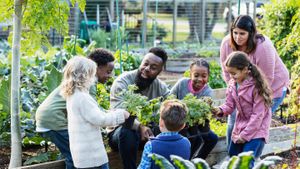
x=255, y=145
x=61, y=140
x=210, y=139
x=277, y=101
x=126, y=141
x=104, y=166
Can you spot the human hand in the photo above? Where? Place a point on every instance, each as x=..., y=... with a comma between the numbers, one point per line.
x=146, y=133
x=217, y=112
x=240, y=140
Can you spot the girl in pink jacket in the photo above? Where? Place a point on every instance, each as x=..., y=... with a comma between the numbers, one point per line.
x=250, y=94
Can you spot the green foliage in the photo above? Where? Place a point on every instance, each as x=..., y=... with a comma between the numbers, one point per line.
x=38, y=18
x=5, y=95
x=133, y=102
x=103, y=95
x=215, y=80
x=139, y=106
x=206, y=53
x=215, y=76
x=218, y=127
x=129, y=62
x=100, y=37
x=181, y=163
x=150, y=112
x=282, y=24
x=161, y=161
x=40, y=74
x=294, y=97
x=42, y=157
x=199, y=110
x=241, y=161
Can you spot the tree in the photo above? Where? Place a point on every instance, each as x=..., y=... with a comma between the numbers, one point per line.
x=16, y=150
x=37, y=18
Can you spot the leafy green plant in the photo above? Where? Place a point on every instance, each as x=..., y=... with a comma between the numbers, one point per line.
x=129, y=62
x=42, y=157
x=294, y=97
x=139, y=106
x=150, y=113
x=199, y=110
x=281, y=23
x=218, y=127
x=133, y=102
x=241, y=161
x=100, y=37
x=208, y=53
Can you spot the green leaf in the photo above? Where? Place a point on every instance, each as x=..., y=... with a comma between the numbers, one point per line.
x=44, y=157
x=161, y=161
x=53, y=79
x=181, y=163
x=200, y=163
x=5, y=95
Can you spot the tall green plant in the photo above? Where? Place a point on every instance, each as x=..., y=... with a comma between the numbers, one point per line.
x=281, y=23
x=38, y=18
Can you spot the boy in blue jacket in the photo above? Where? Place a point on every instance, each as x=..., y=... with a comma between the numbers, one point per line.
x=172, y=119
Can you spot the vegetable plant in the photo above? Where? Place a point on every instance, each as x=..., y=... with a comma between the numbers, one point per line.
x=236, y=162
x=199, y=109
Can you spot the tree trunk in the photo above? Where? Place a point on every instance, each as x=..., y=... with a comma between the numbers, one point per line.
x=16, y=149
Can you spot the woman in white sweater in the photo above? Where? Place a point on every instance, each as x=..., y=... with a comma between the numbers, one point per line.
x=85, y=117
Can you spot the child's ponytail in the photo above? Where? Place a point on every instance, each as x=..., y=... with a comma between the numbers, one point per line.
x=261, y=84
x=240, y=61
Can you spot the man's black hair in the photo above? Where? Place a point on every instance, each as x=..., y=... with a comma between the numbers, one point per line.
x=160, y=52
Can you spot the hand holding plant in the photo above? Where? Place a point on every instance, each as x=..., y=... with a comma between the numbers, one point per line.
x=199, y=110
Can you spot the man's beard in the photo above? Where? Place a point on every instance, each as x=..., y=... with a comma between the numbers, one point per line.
x=142, y=83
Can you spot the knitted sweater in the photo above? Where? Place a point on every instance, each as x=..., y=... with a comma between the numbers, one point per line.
x=85, y=119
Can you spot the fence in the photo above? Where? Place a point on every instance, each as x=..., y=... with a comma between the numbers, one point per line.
x=147, y=22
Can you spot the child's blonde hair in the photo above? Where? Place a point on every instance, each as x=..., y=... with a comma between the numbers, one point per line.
x=79, y=73
x=173, y=113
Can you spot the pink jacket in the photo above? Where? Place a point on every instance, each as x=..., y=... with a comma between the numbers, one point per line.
x=253, y=117
x=267, y=59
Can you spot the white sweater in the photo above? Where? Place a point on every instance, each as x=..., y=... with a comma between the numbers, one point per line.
x=84, y=121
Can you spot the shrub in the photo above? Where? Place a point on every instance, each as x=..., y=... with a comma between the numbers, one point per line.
x=281, y=23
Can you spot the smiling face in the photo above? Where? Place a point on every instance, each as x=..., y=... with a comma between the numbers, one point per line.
x=238, y=75
x=240, y=37
x=151, y=66
x=104, y=72
x=199, y=76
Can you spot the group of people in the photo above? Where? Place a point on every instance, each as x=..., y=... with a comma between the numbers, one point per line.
x=257, y=82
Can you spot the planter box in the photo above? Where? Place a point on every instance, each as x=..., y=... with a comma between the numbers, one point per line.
x=178, y=65
x=59, y=164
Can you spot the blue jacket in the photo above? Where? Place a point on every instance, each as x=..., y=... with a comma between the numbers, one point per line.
x=170, y=145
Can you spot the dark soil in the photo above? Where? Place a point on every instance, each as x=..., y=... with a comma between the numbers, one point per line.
x=27, y=152
x=4, y=157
